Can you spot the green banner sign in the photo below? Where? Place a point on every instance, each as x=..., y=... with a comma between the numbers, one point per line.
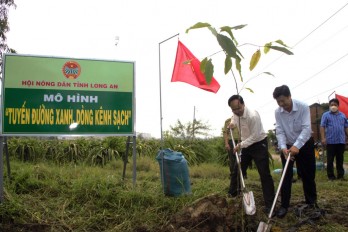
x=45, y=95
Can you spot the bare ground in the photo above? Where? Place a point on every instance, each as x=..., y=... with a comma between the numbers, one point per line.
x=220, y=214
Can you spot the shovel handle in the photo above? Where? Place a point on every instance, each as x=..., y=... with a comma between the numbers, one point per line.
x=238, y=161
x=280, y=185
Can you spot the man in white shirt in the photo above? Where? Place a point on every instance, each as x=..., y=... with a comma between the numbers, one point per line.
x=253, y=145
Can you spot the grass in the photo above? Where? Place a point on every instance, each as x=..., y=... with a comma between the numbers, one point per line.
x=78, y=198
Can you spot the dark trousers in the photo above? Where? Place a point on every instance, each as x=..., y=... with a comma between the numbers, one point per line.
x=232, y=159
x=259, y=153
x=332, y=151
x=305, y=161
x=234, y=172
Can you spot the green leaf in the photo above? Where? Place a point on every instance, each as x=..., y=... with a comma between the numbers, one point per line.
x=213, y=30
x=228, y=64
x=281, y=49
x=281, y=43
x=208, y=70
x=267, y=47
x=250, y=90
x=255, y=59
x=239, y=68
x=268, y=73
x=203, y=63
x=198, y=25
x=228, y=46
x=228, y=30
x=239, y=26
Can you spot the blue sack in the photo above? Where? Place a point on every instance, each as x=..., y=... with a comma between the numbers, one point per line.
x=174, y=172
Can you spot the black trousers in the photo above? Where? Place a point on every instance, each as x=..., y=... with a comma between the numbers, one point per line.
x=305, y=161
x=234, y=172
x=232, y=160
x=332, y=151
x=259, y=153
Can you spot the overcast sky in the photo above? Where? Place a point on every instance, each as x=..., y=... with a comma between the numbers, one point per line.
x=317, y=31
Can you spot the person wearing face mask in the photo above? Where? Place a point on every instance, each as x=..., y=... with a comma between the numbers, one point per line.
x=293, y=131
x=333, y=132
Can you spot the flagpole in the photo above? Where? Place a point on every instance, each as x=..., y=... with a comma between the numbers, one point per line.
x=160, y=85
x=328, y=97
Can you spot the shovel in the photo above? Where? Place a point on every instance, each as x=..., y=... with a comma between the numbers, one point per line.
x=248, y=196
x=266, y=227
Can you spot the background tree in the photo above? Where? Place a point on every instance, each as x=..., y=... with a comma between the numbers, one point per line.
x=271, y=135
x=325, y=106
x=4, y=28
x=190, y=130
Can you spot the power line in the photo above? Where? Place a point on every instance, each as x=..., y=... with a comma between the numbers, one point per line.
x=305, y=37
x=297, y=43
x=300, y=41
x=311, y=77
x=330, y=37
x=340, y=85
x=314, y=76
x=320, y=25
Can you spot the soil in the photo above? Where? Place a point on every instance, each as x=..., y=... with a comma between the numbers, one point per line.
x=212, y=213
x=216, y=213
x=220, y=214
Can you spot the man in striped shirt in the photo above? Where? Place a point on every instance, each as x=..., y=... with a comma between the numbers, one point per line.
x=333, y=131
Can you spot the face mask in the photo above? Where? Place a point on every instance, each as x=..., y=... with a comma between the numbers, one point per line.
x=333, y=109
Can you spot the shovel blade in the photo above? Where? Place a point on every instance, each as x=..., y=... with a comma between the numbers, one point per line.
x=249, y=203
x=264, y=227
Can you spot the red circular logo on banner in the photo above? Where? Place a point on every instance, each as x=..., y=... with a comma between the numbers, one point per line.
x=71, y=70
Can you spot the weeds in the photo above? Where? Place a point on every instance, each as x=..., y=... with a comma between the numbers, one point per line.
x=51, y=196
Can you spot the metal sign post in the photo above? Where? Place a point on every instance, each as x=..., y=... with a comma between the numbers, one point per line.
x=1, y=169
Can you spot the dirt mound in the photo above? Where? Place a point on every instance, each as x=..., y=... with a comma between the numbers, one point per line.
x=213, y=213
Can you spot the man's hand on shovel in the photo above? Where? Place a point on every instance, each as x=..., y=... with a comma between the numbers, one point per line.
x=293, y=151
x=237, y=148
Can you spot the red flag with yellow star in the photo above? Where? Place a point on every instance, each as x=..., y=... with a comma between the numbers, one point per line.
x=187, y=69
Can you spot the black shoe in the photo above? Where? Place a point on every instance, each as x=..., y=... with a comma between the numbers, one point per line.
x=266, y=210
x=282, y=212
x=332, y=178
